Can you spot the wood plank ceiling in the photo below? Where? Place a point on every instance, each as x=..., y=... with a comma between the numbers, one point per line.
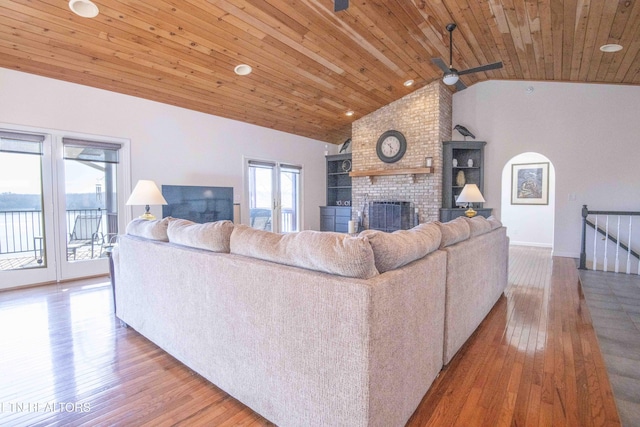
x=310, y=64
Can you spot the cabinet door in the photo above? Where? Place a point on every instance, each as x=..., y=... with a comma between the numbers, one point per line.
x=327, y=223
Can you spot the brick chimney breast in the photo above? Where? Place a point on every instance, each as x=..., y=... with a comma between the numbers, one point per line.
x=424, y=118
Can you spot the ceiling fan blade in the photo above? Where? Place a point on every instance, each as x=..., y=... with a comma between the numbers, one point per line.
x=339, y=5
x=487, y=67
x=441, y=64
x=460, y=85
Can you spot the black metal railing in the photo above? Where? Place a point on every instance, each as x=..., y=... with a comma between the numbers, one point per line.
x=18, y=229
x=21, y=231
x=615, y=228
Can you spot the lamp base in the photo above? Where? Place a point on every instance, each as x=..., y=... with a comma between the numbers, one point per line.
x=470, y=213
x=147, y=216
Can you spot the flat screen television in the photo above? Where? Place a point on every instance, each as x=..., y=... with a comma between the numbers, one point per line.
x=198, y=204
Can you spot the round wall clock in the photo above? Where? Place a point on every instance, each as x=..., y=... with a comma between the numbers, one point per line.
x=391, y=146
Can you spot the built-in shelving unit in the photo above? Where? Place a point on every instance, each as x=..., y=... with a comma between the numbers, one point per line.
x=462, y=152
x=336, y=214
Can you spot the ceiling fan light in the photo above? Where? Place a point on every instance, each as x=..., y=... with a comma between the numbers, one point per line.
x=450, y=79
x=84, y=8
x=610, y=48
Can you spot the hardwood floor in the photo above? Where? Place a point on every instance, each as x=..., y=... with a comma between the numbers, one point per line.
x=534, y=361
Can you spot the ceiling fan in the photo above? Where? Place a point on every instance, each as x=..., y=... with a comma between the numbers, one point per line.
x=339, y=5
x=451, y=75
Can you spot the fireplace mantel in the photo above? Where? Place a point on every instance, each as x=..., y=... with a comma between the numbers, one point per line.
x=387, y=172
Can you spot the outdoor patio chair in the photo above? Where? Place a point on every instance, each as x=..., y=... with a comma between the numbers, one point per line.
x=260, y=219
x=86, y=231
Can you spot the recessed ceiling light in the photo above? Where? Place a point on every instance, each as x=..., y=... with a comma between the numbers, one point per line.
x=243, y=69
x=84, y=8
x=349, y=113
x=610, y=47
x=408, y=83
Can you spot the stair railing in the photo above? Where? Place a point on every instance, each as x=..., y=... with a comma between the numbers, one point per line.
x=615, y=228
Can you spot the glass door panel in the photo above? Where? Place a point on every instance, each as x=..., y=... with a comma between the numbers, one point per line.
x=25, y=246
x=91, y=208
x=289, y=199
x=261, y=195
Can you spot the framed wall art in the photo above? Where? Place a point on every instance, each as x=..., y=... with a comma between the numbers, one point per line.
x=530, y=184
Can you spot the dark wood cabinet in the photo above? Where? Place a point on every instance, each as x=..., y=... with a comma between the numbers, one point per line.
x=461, y=158
x=336, y=214
x=335, y=218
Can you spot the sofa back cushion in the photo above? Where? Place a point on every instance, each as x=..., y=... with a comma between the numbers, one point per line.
x=454, y=231
x=495, y=222
x=393, y=250
x=333, y=253
x=212, y=236
x=155, y=229
x=478, y=225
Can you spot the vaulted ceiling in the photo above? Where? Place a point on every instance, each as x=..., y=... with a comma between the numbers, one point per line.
x=311, y=64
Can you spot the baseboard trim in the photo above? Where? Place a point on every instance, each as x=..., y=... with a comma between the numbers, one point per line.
x=566, y=254
x=536, y=245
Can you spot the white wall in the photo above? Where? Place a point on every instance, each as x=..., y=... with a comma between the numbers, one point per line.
x=169, y=145
x=529, y=225
x=590, y=132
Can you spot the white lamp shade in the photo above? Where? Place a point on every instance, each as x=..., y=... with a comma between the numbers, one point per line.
x=146, y=193
x=450, y=78
x=470, y=194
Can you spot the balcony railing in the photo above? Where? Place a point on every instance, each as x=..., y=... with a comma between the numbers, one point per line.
x=22, y=231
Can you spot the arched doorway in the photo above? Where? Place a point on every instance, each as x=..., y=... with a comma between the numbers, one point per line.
x=528, y=224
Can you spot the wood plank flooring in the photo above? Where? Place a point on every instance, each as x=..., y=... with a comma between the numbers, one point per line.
x=534, y=361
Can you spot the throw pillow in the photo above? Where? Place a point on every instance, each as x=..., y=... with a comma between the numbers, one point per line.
x=393, y=250
x=154, y=230
x=454, y=231
x=478, y=225
x=212, y=236
x=333, y=253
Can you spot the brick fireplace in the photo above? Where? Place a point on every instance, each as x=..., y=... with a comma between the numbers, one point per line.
x=424, y=118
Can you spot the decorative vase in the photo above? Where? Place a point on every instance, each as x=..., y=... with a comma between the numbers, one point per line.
x=455, y=163
x=460, y=179
x=470, y=163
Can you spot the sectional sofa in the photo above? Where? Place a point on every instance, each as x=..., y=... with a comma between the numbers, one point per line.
x=310, y=328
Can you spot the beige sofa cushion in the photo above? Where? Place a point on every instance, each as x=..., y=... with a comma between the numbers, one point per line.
x=393, y=250
x=495, y=222
x=333, y=253
x=155, y=229
x=454, y=231
x=478, y=225
x=212, y=236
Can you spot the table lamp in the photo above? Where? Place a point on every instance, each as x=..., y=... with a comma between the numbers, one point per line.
x=146, y=193
x=470, y=194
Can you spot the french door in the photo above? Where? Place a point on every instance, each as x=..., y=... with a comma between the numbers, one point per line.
x=59, y=206
x=274, y=192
